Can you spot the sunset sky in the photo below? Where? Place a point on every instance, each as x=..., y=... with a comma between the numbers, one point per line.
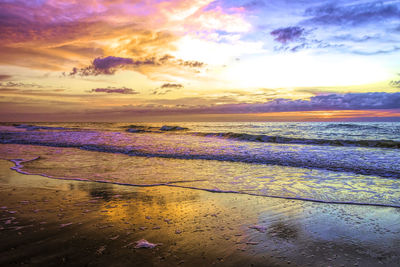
x=133, y=60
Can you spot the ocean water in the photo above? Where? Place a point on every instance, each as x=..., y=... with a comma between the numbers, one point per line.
x=344, y=163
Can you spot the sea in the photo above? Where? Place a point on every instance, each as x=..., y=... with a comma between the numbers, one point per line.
x=353, y=163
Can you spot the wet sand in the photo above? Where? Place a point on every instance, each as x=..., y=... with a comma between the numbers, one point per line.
x=52, y=222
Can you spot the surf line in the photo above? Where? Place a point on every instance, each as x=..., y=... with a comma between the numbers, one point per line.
x=19, y=165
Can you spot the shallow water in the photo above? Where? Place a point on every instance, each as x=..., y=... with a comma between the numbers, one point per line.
x=195, y=159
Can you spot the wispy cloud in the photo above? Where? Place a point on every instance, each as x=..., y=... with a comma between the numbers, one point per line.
x=172, y=85
x=115, y=90
x=166, y=88
x=353, y=14
x=12, y=84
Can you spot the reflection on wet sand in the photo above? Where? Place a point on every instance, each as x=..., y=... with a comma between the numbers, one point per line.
x=86, y=223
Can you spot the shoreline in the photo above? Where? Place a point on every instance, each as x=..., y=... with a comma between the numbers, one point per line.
x=99, y=223
x=18, y=168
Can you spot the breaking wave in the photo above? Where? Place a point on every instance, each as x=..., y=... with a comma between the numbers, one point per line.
x=304, y=141
x=270, y=159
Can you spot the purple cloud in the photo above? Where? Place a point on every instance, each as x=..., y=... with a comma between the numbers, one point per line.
x=114, y=90
x=109, y=65
x=288, y=34
x=111, y=62
x=350, y=101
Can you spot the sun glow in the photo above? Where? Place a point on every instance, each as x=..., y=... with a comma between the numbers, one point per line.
x=302, y=69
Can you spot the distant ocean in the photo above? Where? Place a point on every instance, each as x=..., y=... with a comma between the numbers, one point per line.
x=351, y=163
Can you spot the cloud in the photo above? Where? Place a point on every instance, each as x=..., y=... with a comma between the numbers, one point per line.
x=166, y=88
x=330, y=25
x=172, y=85
x=355, y=39
x=353, y=15
x=114, y=90
x=4, y=77
x=109, y=65
x=376, y=52
x=395, y=83
x=58, y=35
x=288, y=34
x=199, y=105
x=350, y=101
x=12, y=84
x=376, y=104
x=191, y=64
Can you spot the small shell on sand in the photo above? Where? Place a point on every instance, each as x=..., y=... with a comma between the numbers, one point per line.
x=143, y=243
x=65, y=224
x=114, y=237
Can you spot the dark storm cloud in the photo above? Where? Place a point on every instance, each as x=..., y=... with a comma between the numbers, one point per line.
x=288, y=34
x=114, y=90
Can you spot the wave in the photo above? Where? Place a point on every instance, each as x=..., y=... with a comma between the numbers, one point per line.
x=301, y=162
x=250, y=137
x=304, y=141
x=353, y=126
x=30, y=127
x=19, y=166
x=278, y=139
x=148, y=129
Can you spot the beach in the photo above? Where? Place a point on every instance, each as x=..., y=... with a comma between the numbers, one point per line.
x=52, y=222
x=95, y=194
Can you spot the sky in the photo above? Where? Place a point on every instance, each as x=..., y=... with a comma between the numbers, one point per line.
x=199, y=60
